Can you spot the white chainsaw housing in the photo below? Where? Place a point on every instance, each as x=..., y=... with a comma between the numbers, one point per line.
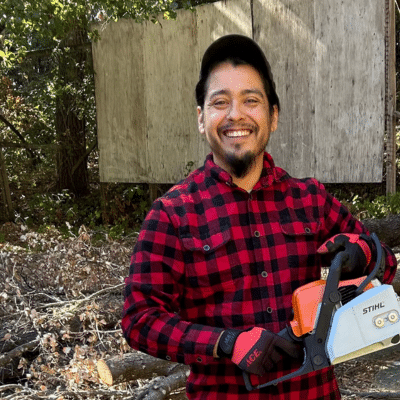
x=368, y=323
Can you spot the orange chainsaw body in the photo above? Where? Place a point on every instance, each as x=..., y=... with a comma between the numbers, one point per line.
x=306, y=300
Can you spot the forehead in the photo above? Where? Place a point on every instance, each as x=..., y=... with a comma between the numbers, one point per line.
x=234, y=79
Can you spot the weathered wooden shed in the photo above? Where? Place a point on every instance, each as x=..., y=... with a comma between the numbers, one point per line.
x=332, y=60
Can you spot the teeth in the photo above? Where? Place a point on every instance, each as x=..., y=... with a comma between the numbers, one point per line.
x=237, y=133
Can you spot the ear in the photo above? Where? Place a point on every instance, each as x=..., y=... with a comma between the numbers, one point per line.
x=200, y=120
x=274, y=118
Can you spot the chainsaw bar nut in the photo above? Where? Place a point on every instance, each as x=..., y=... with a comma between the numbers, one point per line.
x=379, y=322
x=393, y=317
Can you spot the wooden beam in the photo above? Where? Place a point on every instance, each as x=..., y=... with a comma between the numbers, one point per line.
x=391, y=171
x=27, y=145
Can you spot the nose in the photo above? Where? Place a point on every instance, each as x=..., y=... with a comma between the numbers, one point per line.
x=235, y=111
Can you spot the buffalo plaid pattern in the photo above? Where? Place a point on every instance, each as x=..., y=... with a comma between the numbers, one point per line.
x=212, y=256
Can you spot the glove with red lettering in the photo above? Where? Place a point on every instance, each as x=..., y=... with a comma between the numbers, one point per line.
x=256, y=350
x=359, y=249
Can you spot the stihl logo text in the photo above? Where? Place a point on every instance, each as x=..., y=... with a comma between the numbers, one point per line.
x=252, y=357
x=373, y=308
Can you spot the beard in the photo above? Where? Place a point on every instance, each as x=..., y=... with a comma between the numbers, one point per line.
x=240, y=165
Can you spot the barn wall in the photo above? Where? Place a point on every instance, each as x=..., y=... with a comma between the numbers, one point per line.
x=328, y=61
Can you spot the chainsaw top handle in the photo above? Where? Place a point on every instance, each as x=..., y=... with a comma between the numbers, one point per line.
x=379, y=268
x=315, y=357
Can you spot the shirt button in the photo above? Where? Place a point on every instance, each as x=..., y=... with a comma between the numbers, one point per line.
x=168, y=358
x=307, y=230
x=269, y=310
x=264, y=274
x=206, y=247
x=199, y=359
x=257, y=234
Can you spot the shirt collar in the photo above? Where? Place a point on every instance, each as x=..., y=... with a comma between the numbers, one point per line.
x=269, y=174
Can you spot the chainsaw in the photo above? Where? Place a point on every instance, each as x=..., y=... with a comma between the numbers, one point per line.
x=337, y=321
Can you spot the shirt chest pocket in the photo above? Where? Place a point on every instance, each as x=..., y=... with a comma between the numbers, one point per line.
x=298, y=229
x=301, y=242
x=208, y=266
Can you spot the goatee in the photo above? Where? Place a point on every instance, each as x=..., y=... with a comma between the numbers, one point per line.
x=240, y=165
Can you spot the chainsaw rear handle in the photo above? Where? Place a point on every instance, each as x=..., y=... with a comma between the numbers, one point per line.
x=315, y=357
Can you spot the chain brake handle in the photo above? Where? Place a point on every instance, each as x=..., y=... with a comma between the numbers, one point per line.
x=315, y=357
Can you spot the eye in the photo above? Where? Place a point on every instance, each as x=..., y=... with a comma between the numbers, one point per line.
x=219, y=103
x=252, y=101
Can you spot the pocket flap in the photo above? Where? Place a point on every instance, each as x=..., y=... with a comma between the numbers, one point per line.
x=296, y=228
x=207, y=245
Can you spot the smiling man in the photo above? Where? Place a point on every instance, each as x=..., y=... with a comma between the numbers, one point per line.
x=237, y=121
x=218, y=257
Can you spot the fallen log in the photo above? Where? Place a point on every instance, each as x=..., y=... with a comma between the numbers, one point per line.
x=135, y=365
x=17, y=352
x=9, y=339
x=387, y=229
x=396, y=282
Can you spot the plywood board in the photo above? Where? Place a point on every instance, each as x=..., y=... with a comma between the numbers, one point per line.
x=120, y=102
x=350, y=91
x=328, y=61
x=285, y=31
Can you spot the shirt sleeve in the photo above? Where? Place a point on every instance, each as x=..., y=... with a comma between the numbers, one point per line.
x=154, y=291
x=338, y=219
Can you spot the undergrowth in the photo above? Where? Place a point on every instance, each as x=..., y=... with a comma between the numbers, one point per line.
x=116, y=210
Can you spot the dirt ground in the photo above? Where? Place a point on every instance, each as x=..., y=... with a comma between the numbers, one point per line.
x=69, y=292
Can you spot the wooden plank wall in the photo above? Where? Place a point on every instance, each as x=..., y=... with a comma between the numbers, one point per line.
x=327, y=57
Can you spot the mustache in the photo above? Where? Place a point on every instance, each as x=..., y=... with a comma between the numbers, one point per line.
x=233, y=126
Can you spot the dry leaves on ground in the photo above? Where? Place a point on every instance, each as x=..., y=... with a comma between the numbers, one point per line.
x=63, y=298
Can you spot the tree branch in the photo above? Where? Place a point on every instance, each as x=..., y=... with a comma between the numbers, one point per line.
x=83, y=158
x=17, y=132
x=12, y=127
x=160, y=387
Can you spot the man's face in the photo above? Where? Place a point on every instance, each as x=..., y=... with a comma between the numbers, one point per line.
x=236, y=118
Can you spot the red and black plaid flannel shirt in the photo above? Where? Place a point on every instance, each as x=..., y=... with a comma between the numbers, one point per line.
x=212, y=256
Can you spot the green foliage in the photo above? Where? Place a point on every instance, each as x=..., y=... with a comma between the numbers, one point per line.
x=117, y=210
x=379, y=207
x=47, y=76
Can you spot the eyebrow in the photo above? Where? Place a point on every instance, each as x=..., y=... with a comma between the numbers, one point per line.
x=243, y=92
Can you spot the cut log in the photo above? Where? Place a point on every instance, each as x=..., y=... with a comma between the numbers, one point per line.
x=132, y=366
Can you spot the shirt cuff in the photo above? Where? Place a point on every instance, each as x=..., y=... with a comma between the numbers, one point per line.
x=199, y=344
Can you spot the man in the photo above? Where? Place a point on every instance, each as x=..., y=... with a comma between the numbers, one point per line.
x=219, y=256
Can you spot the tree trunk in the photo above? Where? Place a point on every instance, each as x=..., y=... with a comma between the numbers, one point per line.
x=70, y=126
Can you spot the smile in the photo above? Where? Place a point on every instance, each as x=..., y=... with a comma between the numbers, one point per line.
x=238, y=133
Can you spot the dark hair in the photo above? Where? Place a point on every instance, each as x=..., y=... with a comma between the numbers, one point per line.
x=237, y=50
x=202, y=84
